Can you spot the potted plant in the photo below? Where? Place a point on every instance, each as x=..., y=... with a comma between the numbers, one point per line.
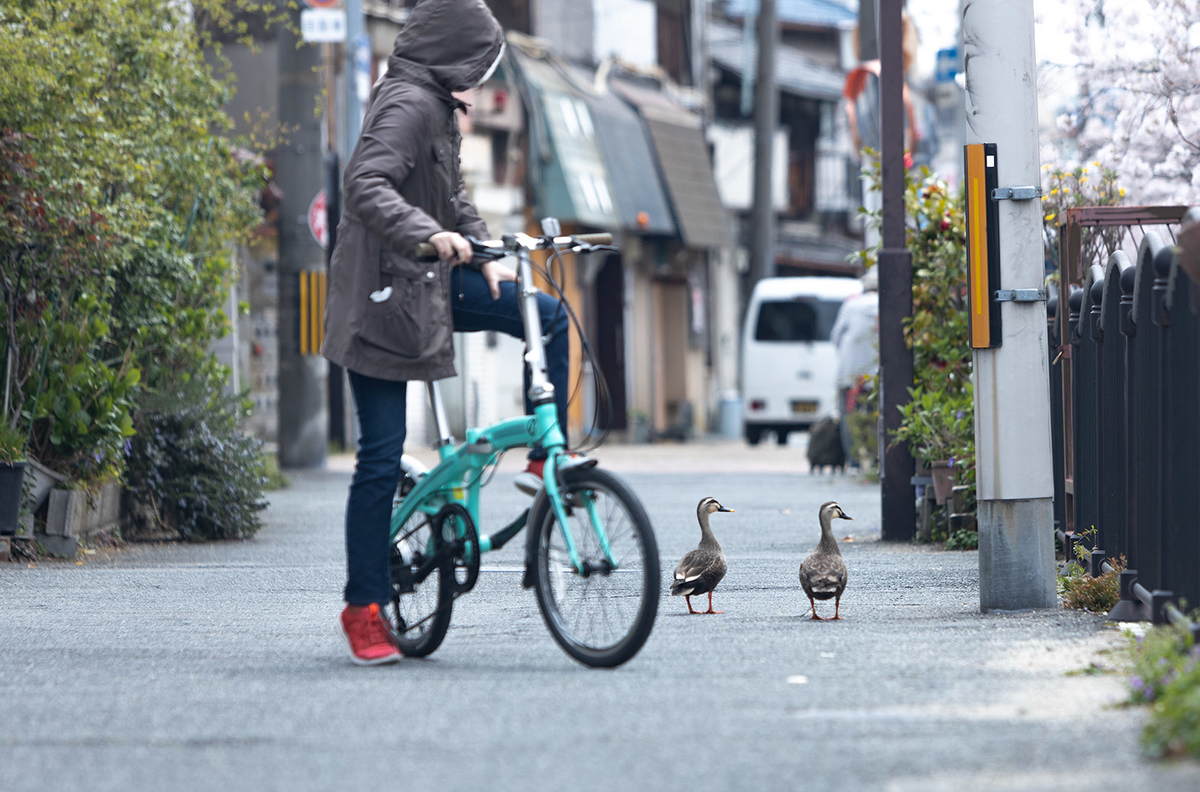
x=12, y=476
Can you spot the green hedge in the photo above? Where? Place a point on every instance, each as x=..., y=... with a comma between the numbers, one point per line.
x=120, y=198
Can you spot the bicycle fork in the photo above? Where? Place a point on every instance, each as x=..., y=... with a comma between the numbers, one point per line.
x=541, y=395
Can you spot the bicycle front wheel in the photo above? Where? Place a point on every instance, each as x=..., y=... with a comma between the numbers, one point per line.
x=603, y=616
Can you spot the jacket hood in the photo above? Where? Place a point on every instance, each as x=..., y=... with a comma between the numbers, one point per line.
x=456, y=41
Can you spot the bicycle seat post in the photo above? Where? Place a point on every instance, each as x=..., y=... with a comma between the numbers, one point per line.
x=439, y=414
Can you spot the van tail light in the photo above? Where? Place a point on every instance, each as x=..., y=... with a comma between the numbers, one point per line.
x=758, y=404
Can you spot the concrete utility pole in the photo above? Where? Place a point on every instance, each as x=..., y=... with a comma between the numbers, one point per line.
x=895, y=283
x=350, y=73
x=766, y=117
x=303, y=420
x=1012, y=393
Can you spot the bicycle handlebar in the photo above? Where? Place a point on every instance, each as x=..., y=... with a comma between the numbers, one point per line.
x=593, y=239
x=427, y=252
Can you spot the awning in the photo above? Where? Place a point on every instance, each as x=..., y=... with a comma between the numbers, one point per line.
x=625, y=147
x=683, y=157
x=570, y=180
x=795, y=72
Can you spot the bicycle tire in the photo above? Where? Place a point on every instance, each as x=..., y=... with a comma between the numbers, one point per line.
x=646, y=579
x=414, y=642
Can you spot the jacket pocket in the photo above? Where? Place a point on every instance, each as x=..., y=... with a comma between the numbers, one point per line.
x=400, y=323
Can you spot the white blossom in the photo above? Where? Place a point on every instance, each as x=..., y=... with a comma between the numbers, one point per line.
x=1137, y=66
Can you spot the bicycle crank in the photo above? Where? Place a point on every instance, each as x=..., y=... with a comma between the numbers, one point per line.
x=457, y=545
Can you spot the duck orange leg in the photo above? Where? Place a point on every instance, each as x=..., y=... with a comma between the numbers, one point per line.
x=710, y=610
x=837, y=604
x=815, y=617
x=688, y=597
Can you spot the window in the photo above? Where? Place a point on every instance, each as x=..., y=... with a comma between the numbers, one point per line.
x=796, y=320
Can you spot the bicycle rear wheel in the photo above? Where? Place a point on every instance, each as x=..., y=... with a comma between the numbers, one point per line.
x=421, y=598
x=603, y=617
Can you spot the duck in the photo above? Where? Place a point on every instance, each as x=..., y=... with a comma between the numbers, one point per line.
x=823, y=573
x=701, y=570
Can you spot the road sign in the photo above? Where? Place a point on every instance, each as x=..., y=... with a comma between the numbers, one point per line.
x=318, y=219
x=323, y=25
x=322, y=3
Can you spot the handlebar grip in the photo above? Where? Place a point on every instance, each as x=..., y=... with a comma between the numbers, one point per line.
x=594, y=239
x=426, y=252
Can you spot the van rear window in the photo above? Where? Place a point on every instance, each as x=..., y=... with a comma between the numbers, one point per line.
x=796, y=320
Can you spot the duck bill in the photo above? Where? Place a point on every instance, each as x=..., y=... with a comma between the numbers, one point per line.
x=723, y=509
x=846, y=516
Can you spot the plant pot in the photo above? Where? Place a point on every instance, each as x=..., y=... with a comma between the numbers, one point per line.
x=943, y=480
x=12, y=478
x=44, y=480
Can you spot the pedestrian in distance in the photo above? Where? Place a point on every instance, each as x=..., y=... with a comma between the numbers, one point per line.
x=389, y=317
x=855, y=336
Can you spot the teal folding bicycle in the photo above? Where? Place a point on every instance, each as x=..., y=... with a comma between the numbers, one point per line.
x=590, y=552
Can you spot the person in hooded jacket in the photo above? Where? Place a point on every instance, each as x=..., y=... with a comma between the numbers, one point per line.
x=389, y=318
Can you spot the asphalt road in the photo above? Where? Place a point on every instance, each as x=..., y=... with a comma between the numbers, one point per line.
x=174, y=667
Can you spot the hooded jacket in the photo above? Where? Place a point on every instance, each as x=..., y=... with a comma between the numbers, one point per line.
x=388, y=315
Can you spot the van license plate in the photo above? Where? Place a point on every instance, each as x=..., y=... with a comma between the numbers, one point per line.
x=804, y=407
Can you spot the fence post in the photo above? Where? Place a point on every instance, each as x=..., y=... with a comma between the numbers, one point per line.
x=1147, y=481
x=1129, y=608
x=1087, y=410
x=1074, y=341
x=1181, y=446
x=1056, y=417
x=1113, y=479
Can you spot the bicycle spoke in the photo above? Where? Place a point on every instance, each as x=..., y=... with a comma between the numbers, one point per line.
x=598, y=610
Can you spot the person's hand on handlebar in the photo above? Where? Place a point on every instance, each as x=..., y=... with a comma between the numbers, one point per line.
x=496, y=273
x=451, y=246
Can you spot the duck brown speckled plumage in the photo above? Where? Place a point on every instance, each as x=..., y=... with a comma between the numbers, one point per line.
x=823, y=574
x=701, y=570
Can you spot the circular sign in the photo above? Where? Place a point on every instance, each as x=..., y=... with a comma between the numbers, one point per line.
x=322, y=3
x=318, y=219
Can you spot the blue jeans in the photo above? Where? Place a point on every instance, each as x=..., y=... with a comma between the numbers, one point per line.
x=381, y=407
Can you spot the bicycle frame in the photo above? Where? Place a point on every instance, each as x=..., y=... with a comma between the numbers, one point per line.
x=445, y=482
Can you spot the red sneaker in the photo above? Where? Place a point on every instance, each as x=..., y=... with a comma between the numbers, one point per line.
x=529, y=480
x=369, y=636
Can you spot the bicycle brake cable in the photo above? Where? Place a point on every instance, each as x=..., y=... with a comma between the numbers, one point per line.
x=601, y=383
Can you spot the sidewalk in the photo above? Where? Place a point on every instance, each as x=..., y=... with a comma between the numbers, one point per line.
x=200, y=667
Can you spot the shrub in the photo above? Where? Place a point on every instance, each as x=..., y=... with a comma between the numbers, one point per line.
x=119, y=201
x=939, y=422
x=1095, y=594
x=192, y=470
x=963, y=539
x=1081, y=186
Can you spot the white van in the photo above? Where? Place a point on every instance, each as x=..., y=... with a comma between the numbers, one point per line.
x=789, y=365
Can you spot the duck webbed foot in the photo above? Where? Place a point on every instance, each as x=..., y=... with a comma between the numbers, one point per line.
x=837, y=606
x=710, y=609
x=815, y=617
x=689, y=604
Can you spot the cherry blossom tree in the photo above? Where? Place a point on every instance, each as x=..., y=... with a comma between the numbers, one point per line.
x=1137, y=67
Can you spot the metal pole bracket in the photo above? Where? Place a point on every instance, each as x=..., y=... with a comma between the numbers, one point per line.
x=1020, y=295
x=1016, y=193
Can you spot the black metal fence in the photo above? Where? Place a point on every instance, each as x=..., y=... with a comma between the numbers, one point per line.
x=1127, y=428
